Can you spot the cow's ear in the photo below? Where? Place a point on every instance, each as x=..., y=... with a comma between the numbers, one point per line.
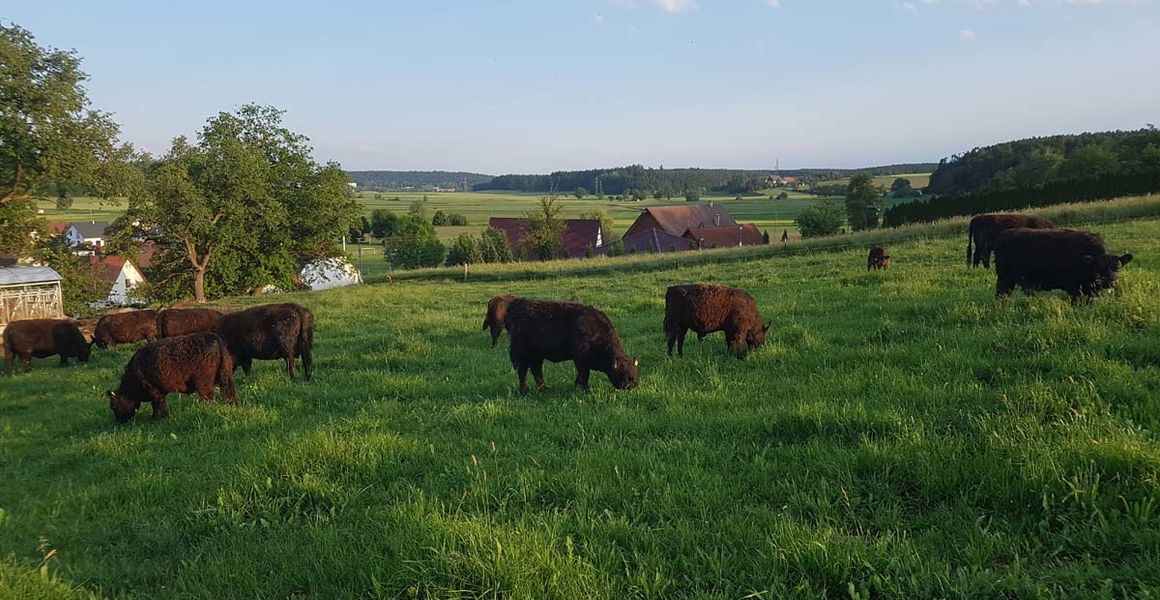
x=636, y=361
x=767, y=326
x=1125, y=259
x=1088, y=259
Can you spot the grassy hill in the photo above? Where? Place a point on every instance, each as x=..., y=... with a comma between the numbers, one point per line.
x=902, y=434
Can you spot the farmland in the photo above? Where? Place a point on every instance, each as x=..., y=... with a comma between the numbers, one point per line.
x=902, y=434
x=917, y=180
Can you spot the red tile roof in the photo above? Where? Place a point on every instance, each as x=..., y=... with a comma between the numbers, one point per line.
x=679, y=218
x=145, y=255
x=59, y=227
x=108, y=268
x=578, y=236
x=726, y=237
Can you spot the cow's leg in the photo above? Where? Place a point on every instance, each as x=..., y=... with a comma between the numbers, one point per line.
x=538, y=373
x=160, y=408
x=9, y=360
x=246, y=365
x=63, y=360
x=204, y=387
x=582, y=372
x=670, y=339
x=1003, y=288
x=681, y=333
x=26, y=360
x=522, y=372
x=290, y=350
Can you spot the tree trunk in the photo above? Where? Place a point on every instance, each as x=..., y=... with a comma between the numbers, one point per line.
x=199, y=285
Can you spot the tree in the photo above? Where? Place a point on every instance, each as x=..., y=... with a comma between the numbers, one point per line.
x=765, y=237
x=639, y=195
x=606, y=222
x=783, y=196
x=544, y=239
x=64, y=200
x=383, y=223
x=819, y=220
x=464, y=250
x=439, y=219
x=366, y=225
x=901, y=188
x=493, y=245
x=862, y=202
x=47, y=130
x=1090, y=162
x=580, y=193
x=413, y=244
x=456, y=219
x=239, y=208
x=79, y=284
x=692, y=195
x=418, y=207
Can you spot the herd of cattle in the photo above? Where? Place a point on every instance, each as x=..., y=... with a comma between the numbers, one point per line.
x=195, y=350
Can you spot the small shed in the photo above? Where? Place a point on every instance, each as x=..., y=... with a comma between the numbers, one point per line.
x=29, y=293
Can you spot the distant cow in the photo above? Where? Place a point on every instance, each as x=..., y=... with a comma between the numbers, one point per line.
x=184, y=321
x=1076, y=262
x=559, y=331
x=706, y=308
x=878, y=259
x=984, y=228
x=269, y=332
x=126, y=328
x=496, y=311
x=184, y=364
x=38, y=338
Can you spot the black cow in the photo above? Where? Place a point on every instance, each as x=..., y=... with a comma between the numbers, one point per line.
x=1076, y=262
x=183, y=364
x=558, y=331
x=184, y=321
x=270, y=332
x=126, y=328
x=878, y=259
x=707, y=308
x=38, y=338
x=984, y=228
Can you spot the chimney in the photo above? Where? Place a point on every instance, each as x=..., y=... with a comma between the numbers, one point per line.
x=717, y=219
x=710, y=203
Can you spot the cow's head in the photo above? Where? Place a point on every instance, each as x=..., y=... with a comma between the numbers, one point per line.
x=84, y=350
x=756, y=336
x=624, y=375
x=123, y=408
x=1105, y=267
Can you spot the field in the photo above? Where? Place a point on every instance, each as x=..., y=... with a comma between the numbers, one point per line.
x=478, y=207
x=902, y=434
x=917, y=180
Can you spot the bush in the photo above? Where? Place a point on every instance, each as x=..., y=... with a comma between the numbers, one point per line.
x=413, y=244
x=821, y=219
x=439, y=219
x=493, y=246
x=464, y=250
x=456, y=219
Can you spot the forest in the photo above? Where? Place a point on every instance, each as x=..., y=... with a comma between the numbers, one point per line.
x=383, y=181
x=619, y=180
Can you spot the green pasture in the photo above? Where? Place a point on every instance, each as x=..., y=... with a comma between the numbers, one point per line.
x=902, y=434
x=917, y=180
x=84, y=208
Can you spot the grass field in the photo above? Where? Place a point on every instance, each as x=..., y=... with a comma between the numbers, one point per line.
x=917, y=180
x=478, y=207
x=902, y=434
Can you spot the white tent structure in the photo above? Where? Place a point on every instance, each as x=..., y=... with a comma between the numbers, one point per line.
x=29, y=293
x=328, y=273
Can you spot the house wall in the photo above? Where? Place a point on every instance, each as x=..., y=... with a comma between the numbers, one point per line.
x=643, y=223
x=128, y=279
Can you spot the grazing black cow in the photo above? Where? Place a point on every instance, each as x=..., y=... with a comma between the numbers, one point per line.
x=184, y=364
x=706, y=308
x=184, y=321
x=270, y=332
x=496, y=311
x=1076, y=262
x=878, y=259
x=984, y=228
x=558, y=331
x=38, y=338
x=126, y=328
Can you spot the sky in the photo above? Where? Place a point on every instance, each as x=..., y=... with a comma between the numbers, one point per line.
x=533, y=86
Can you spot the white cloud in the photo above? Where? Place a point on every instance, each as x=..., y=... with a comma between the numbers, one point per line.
x=967, y=35
x=773, y=3
x=675, y=6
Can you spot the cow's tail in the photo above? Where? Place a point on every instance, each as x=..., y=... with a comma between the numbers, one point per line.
x=225, y=374
x=306, y=343
x=970, y=236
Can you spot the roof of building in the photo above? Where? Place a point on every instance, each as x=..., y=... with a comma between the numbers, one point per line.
x=578, y=235
x=145, y=255
x=655, y=240
x=676, y=219
x=724, y=237
x=59, y=227
x=26, y=275
x=91, y=229
x=107, y=268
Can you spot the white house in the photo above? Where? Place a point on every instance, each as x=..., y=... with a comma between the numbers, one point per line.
x=69, y=231
x=92, y=233
x=121, y=277
x=327, y=273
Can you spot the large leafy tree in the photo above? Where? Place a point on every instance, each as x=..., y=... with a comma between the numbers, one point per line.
x=862, y=202
x=413, y=244
x=239, y=208
x=544, y=239
x=819, y=220
x=47, y=129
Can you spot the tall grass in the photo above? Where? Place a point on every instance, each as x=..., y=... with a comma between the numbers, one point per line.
x=902, y=434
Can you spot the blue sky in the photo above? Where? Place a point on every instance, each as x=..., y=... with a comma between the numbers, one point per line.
x=539, y=85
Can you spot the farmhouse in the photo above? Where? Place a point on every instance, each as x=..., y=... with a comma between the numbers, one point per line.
x=119, y=275
x=68, y=230
x=29, y=293
x=580, y=236
x=687, y=227
x=92, y=234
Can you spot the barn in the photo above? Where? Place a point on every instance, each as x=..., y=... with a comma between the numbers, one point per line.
x=29, y=293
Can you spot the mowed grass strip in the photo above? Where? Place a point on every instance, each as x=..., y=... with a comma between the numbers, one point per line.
x=902, y=434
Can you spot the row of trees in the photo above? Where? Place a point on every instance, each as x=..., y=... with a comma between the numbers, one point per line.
x=236, y=208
